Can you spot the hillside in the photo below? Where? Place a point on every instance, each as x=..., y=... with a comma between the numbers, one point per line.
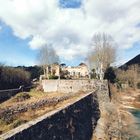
x=133, y=61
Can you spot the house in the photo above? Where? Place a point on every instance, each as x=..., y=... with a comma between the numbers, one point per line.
x=80, y=71
x=67, y=72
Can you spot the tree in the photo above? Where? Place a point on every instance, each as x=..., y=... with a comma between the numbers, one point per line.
x=46, y=57
x=129, y=76
x=110, y=75
x=13, y=77
x=103, y=53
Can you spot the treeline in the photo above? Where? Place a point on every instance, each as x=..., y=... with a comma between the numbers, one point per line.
x=35, y=71
x=13, y=77
x=124, y=78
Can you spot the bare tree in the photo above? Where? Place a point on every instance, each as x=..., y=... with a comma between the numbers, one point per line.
x=129, y=76
x=47, y=56
x=103, y=53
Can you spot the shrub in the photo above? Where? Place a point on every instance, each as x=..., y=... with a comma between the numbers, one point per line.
x=53, y=77
x=21, y=97
x=110, y=75
x=138, y=85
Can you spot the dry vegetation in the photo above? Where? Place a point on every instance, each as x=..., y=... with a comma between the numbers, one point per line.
x=13, y=77
x=130, y=76
x=123, y=100
x=32, y=98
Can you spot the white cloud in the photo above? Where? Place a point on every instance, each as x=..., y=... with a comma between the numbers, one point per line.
x=37, y=42
x=70, y=30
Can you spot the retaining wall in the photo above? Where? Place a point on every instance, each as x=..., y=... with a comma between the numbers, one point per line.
x=6, y=94
x=74, y=121
x=67, y=86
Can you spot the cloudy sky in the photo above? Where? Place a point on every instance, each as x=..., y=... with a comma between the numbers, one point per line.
x=68, y=25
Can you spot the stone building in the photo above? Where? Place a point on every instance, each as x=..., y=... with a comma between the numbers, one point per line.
x=80, y=71
x=68, y=72
x=54, y=69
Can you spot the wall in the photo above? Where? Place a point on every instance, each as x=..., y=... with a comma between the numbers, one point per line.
x=75, y=121
x=67, y=86
x=79, y=71
x=6, y=94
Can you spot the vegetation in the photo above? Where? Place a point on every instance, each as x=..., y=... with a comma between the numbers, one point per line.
x=138, y=85
x=46, y=57
x=35, y=71
x=93, y=74
x=21, y=97
x=110, y=75
x=13, y=77
x=53, y=77
x=34, y=101
x=134, y=61
x=103, y=54
x=129, y=76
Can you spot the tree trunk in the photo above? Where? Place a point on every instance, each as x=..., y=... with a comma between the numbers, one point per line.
x=47, y=72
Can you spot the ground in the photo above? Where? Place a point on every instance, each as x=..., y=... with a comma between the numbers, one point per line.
x=27, y=106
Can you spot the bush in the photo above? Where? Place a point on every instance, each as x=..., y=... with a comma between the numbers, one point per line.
x=138, y=85
x=21, y=97
x=53, y=77
x=110, y=75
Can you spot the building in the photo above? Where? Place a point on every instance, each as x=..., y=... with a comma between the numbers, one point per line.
x=80, y=71
x=66, y=72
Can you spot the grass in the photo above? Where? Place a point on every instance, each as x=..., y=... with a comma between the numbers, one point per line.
x=4, y=127
x=30, y=97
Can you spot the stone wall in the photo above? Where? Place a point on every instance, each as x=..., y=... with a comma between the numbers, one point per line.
x=75, y=121
x=6, y=94
x=67, y=86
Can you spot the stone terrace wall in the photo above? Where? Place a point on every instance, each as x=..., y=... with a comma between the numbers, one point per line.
x=6, y=94
x=75, y=121
x=67, y=86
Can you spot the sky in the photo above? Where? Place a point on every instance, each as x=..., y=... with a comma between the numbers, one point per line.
x=68, y=26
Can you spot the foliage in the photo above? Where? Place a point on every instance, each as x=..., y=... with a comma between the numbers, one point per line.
x=129, y=76
x=35, y=71
x=53, y=77
x=93, y=74
x=110, y=75
x=21, y=97
x=13, y=77
x=17, y=123
x=138, y=85
x=64, y=74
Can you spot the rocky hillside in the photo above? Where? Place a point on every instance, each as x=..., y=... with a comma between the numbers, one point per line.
x=133, y=61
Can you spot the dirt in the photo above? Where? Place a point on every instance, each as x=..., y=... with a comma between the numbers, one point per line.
x=116, y=122
x=19, y=110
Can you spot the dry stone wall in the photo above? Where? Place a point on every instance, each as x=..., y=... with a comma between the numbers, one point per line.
x=73, y=122
x=67, y=86
x=6, y=94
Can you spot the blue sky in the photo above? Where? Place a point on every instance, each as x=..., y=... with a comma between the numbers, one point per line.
x=70, y=3
x=13, y=50
x=27, y=25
